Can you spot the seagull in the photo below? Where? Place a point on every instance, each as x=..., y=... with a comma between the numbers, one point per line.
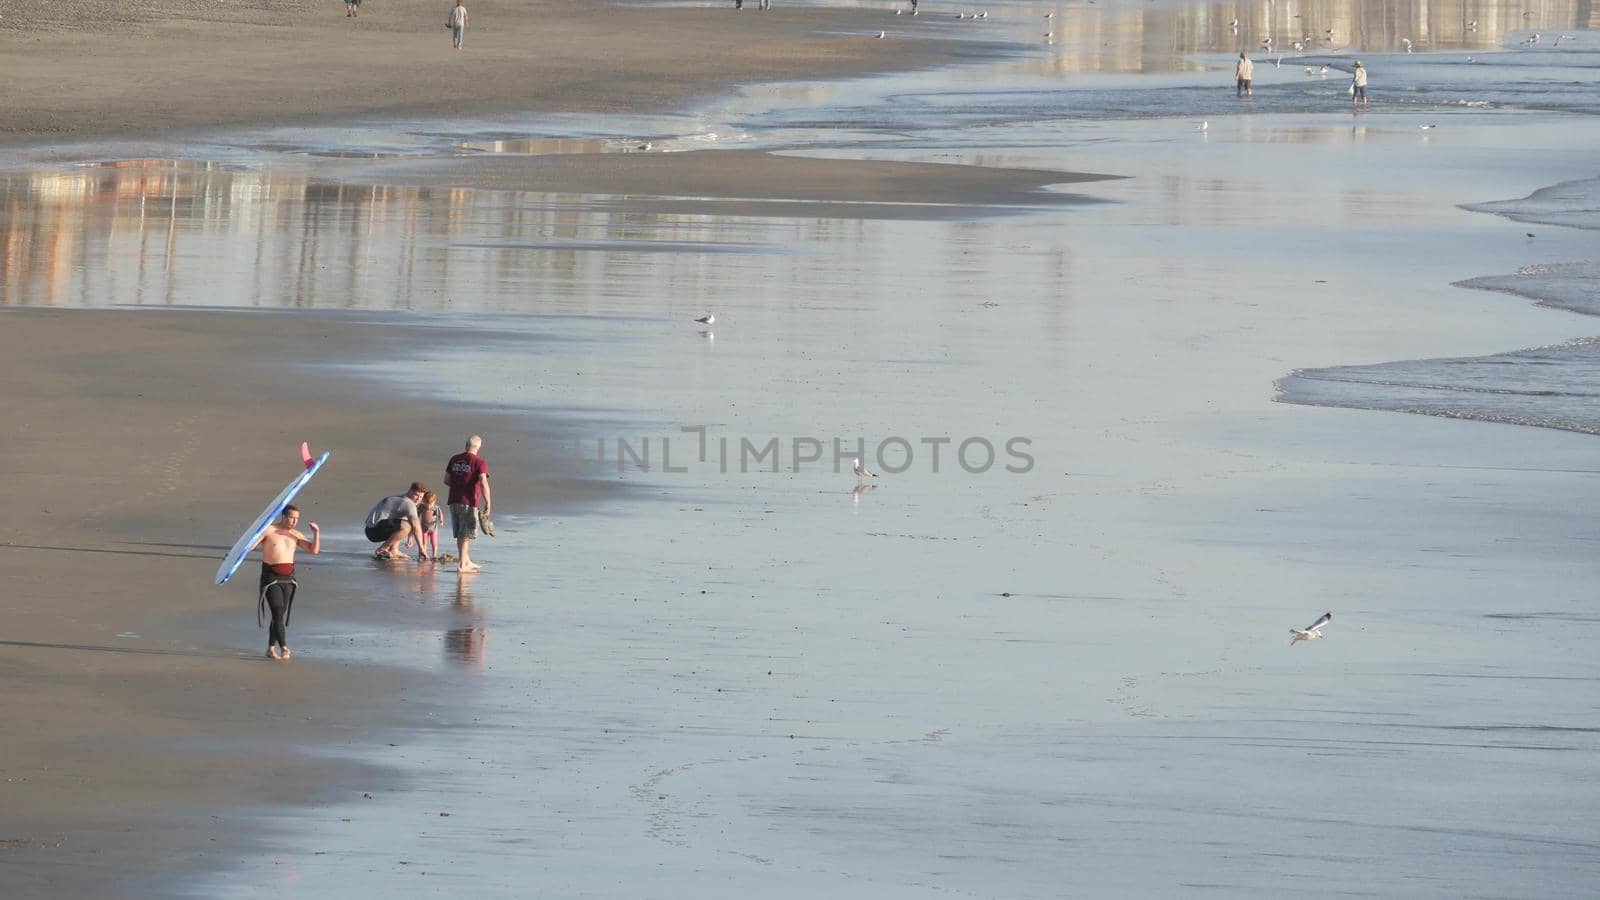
x=863, y=471
x=899, y=12
x=1310, y=71
x=1234, y=24
x=1324, y=72
x=1049, y=15
x=880, y=35
x=1406, y=42
x=645, y=147
x=982, y=15
x=1050, y=37
x=961, y=15
x=1562, y=37
x=1312, y=633
x=707, y=320
x=1426, y=127
x=1298, y=46
x=1202, y=126
x=1473, y=25
x=1470, y=59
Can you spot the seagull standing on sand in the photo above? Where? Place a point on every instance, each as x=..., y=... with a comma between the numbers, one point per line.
x=1406, y=42
x=707, y=320
x=1202, y=126
x=863, y=471
x=880, y=35
x=1312, y=633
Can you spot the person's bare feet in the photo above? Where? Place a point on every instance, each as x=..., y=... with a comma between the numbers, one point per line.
x=470, y=567
x=287, y=653
x=272, y=651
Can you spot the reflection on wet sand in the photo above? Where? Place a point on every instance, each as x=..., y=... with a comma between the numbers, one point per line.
x=467, y=644
x=179, y=233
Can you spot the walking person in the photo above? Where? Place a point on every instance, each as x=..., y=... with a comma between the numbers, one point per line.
x=278, y=584
x=1358, y=86
x=467, y=474
x=1242, y=74
x=457, y=23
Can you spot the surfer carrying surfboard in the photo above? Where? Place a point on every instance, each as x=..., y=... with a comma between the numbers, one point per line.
x=278, y=585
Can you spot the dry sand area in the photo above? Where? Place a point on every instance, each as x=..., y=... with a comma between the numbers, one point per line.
x=159, y=67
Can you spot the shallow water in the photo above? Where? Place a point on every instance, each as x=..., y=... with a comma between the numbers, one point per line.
x=1074, y=679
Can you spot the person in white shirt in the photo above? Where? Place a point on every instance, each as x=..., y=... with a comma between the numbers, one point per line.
x=1242, y=73
x=457, y=23
x=1358, y=86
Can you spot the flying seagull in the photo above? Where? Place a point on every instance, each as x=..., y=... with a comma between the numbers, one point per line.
x=707, y=320
x=1309, y=634
x=863, y=471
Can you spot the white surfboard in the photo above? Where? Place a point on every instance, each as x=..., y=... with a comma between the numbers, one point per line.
x=247, y=541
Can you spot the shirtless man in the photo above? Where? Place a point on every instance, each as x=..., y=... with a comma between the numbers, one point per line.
x=278, y=586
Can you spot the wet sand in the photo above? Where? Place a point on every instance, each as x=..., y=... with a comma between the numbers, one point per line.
x=745, y=182
x=140, y=746
x=138, y=444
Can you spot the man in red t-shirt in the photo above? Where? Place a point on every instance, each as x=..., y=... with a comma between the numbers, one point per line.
x=467, y=474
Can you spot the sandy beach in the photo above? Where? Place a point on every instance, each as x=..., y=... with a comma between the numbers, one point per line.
x=725, y=678
x=156, y=66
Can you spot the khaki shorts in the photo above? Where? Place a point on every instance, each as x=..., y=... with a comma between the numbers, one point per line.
x=463, y=521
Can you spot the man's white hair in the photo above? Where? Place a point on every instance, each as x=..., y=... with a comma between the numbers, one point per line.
x=474, y=442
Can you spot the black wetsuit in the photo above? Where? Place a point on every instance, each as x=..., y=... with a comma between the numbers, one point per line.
x=277, y=594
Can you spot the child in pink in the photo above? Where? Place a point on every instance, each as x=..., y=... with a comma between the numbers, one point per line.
x=430, y=517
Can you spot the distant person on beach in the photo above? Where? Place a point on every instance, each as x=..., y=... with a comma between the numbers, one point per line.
x=278, y=584
x=351, y=7
x=1242, y=74
x=394, y=519
x=1358, y=86
x=467, y=474
x=457, y=23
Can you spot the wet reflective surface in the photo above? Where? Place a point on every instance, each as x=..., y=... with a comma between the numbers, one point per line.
x=741, y=680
